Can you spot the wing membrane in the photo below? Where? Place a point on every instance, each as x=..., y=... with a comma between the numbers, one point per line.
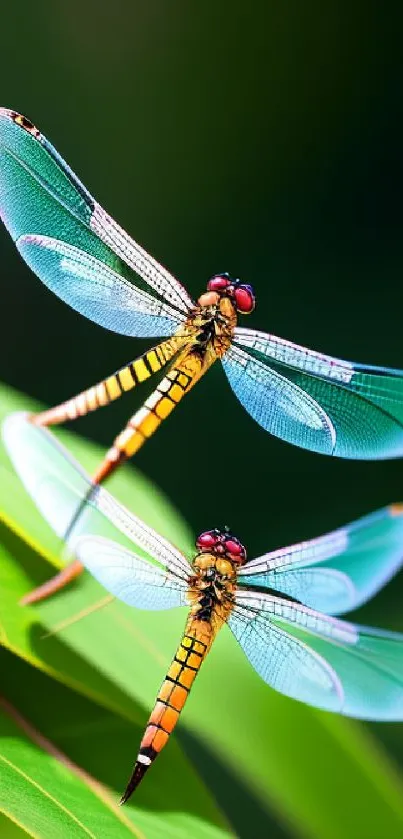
x=130, y=578
x=337, y=572
x=358, y=408
x=95, y=290
x=40, y=196
x=279, y=406
x=353, y=670
x=64, y=494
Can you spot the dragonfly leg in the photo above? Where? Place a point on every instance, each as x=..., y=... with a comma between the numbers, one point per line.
x=74, y=568
x=66, y=575
x=113, y=387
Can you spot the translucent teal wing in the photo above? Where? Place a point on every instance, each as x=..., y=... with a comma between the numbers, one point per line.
x=96, y=291
x=130, y=578
x=337, y=572
x=70, y=503
x=315, y=401
x=75, y=248
x=324, y=662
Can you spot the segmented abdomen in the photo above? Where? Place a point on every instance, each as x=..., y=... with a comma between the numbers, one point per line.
x=171, y=698
x=114, y=386
x=170, y=391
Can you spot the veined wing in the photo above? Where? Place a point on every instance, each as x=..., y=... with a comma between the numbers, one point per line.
x=336, y=572
x=334, y=665
x=315, y=401
x=95, y=290
x=71, y=504
x=130, y=578
x=67, y=238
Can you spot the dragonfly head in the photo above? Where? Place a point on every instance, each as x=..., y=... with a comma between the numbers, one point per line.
x=222, y=285
x=221, y=543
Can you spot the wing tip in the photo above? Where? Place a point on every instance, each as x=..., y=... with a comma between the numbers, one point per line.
x=20, y=120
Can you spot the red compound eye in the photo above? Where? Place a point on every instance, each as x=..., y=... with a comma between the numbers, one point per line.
x=244, y=299
x=218, y=283
x=234, y=548
x=206, y=540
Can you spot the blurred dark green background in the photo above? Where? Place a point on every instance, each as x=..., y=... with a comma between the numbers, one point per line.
x=263, y=139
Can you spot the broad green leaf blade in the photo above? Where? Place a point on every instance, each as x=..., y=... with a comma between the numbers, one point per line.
x=50, y=796
x=44, y=795
x=11, y=830
x=299, y=760
x=101, y=743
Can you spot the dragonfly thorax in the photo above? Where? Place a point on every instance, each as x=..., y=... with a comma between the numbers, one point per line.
x=212, y=323
x=210, y=568
x=212, y=588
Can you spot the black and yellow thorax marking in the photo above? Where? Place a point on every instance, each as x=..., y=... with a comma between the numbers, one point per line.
x=212, y=327
x=212, y=589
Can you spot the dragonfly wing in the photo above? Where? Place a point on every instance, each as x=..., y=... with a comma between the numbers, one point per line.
x=41, y=197
x=154, y=274
x=331, y=664
x=71, y=504
x=279, y=406
x=95, y=290
x=337, y=572
x=361, y=406
x=128, y=577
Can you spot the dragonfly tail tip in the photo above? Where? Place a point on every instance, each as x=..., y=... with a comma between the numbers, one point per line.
x=137, y=775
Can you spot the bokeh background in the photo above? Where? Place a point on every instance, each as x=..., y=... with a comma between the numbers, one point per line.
x=263, y=139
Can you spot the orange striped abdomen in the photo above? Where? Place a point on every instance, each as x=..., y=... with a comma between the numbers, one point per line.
x=170, y=391
x=114, y=386
x=171, y=698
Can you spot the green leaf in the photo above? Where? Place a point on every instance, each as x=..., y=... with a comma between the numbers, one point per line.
x=75, y=731
x=43, y=794
x=325, y=775
x=11, y=830
x=49, y=796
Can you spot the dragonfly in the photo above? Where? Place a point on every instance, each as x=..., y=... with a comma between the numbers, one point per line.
x=281, y=607
x=306, y=398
